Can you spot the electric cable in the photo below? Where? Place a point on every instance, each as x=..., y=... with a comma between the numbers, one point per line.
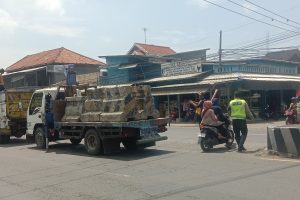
x=287, y=19
x=238, y=13
x=273, y=19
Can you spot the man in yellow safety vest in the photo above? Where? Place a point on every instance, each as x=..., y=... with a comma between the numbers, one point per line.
x=238, y=110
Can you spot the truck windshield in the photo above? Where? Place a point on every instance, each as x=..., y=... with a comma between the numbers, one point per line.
x=36, y=102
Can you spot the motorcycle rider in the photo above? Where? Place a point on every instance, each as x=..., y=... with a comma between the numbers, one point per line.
x=291, y=112
x=217, y=107
x=210, y=119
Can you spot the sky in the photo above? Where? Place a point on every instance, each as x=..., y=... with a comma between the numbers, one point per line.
x=110, y=27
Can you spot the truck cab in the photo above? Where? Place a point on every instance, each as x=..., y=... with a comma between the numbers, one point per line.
x=36, y=110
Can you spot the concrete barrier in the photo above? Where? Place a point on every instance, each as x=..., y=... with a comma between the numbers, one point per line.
x=284, y=139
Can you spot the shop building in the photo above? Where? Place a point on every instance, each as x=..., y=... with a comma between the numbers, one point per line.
x=180, y=77
x=48, y=67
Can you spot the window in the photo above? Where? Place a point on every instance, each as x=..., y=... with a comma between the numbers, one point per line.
x=36, y=102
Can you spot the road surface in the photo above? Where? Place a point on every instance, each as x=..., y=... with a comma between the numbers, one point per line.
x=174, y=169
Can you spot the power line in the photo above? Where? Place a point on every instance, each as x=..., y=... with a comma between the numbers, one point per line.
x=267, y=16
x=238, y=13
x=287, y=19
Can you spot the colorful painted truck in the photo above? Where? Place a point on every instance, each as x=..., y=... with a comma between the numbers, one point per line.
x=13, y=112
x=104, y=117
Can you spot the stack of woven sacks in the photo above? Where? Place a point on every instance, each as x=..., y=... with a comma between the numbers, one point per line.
x=112, y=104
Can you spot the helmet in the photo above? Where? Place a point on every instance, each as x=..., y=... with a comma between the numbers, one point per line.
x=293, y=98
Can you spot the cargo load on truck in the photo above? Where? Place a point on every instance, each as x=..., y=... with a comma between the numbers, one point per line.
x=111, y=104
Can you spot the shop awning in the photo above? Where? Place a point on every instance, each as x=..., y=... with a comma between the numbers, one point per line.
x=246, y=80
x=177, y=89
x=25, y=71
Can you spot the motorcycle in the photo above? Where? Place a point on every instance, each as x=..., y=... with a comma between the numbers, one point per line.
x=208, y=136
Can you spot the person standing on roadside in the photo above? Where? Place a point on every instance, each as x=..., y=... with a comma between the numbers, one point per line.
x=238, y=110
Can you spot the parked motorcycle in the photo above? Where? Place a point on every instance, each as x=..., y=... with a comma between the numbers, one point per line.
x=208, y=136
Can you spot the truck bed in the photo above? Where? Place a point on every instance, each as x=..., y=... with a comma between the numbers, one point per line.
x=148, y=130
x=131, y=124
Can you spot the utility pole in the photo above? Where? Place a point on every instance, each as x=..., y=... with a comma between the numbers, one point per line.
x=145, y=34
x=220, y=49
x=268, y=42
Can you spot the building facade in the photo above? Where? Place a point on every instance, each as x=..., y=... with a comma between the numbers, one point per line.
x=266, y=83
x=47, y=68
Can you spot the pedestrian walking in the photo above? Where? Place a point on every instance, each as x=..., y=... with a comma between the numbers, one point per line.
x=238, y=110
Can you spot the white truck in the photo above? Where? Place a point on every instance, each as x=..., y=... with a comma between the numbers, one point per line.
x=56, y=114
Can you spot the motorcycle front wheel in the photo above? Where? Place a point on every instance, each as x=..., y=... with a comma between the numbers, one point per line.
x=205, y=146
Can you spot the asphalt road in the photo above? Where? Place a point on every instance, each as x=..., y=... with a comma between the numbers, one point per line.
x=174, y=169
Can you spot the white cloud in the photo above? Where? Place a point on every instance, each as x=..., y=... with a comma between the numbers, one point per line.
x=47, y=17
x=7, y=22
x=55, y=6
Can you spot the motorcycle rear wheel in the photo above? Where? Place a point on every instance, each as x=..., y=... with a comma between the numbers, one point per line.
x=230, y=141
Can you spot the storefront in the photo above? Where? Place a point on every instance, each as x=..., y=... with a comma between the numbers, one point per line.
x=263, y=92
x=267, y=84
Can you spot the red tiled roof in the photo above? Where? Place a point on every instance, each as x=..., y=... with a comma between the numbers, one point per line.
x=150, y=50
x=54, y=56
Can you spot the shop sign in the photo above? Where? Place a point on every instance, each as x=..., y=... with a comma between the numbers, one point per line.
x=180, y=67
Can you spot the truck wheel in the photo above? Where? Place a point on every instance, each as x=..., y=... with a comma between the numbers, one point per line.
x=129, y=144
x=30, y=139
x=75, y=141
x=40, y=138
x=92, y=142
x=4, y=139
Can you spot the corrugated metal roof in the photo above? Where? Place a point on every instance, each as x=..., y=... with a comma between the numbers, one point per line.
x=24, y=71
x=207, y=82
x=160, y=91
x=251, y=76
x=169, y=78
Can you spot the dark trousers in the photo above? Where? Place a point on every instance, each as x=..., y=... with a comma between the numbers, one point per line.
x=240, y=130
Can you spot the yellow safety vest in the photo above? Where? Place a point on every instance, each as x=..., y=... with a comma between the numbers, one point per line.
x=238, y=109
